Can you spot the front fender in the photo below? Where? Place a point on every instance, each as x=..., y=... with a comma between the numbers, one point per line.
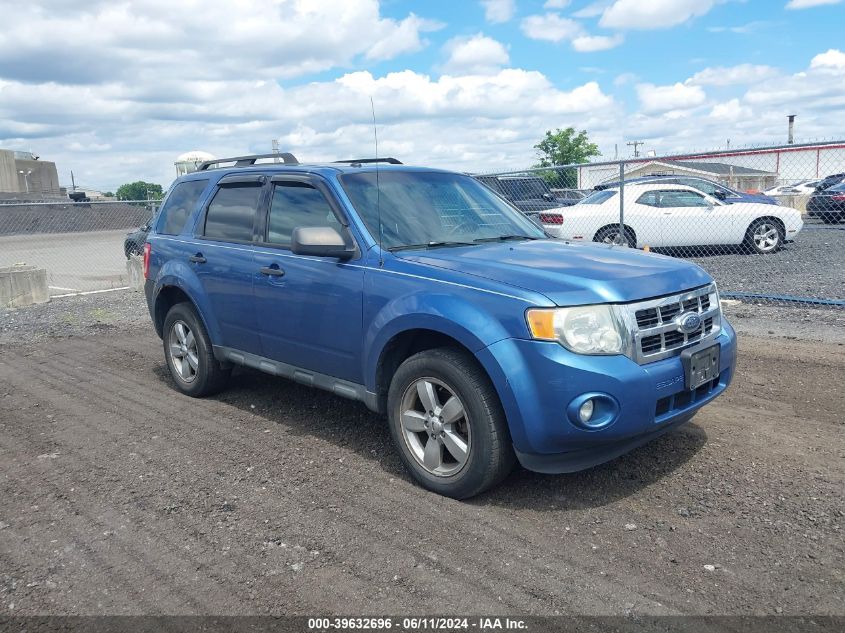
x=448, y=314
x=176, y=273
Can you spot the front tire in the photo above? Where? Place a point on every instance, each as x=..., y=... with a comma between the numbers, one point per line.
x=764, y=236
x=189, y=353
x=448, y=424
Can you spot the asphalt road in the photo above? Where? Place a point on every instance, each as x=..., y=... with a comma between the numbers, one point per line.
x=74, y=261
x=121, y=496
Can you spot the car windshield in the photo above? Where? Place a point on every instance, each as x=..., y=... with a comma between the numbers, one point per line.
x=421, y=208
x=599, y=197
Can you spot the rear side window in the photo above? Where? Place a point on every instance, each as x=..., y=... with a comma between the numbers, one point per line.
x=649, y=198
x=599, y=197
x=231, y=213
x=297, y=204
x=179, y=205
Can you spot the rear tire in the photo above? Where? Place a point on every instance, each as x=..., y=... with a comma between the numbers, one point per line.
x=611, y=235
x=448, y=424
x=764, y=236
x=189, y=353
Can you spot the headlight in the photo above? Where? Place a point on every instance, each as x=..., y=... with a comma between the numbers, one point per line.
x=596, y=329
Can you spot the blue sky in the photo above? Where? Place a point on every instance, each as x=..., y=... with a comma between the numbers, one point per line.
x=466, y=84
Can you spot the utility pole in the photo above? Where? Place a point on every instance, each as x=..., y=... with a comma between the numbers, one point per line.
x=636, y=145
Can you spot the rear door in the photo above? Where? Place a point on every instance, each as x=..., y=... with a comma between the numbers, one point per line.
x=223, y=258
x=309, y=309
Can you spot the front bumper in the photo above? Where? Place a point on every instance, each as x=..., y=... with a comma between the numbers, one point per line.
x=537, y=380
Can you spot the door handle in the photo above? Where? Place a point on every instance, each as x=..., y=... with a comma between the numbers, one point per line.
x=197, y=259
x=272, y=271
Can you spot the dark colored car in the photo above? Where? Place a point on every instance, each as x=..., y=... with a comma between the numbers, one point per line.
x=828, y=204
x=829, y=181
x=529, y=194
x=725, y=194
x=133, y=244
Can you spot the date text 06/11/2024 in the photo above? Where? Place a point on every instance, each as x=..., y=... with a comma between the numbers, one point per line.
x=416, y=624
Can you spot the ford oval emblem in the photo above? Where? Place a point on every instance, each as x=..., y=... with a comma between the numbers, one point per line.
x=689, y=322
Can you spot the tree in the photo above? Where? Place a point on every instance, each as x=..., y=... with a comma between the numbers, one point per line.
x=564, y=147
x=140, y=190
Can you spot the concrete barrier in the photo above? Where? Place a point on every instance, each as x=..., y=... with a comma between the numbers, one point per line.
x=22, y=285
x=135, y=270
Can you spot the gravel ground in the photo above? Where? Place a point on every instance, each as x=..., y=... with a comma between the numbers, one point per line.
x=122, y=496
x=813, y=266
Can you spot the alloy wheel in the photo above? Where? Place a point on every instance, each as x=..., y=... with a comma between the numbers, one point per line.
x=183, y=351
x=435, y=427
x=766, y=237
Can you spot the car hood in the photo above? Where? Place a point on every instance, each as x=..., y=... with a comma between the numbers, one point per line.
x=566, y=273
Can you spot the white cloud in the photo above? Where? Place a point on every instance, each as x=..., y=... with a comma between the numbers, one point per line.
x=594, y=9
x=477, y=54
x=730, y=111
x=550, y=27
x=556, y=4
x=831, y=59
x=154, y=39
x=806, y=4
x=657, y=99
x=654, y=14
x=498, y=11
x=733, y=75
x=591, y=43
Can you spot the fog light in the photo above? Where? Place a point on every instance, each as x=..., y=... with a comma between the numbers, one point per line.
x=586, y=411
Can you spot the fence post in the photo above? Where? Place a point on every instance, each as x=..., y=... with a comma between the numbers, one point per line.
x=622, y=202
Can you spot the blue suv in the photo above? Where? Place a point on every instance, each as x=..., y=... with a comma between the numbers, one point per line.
x=433, y=301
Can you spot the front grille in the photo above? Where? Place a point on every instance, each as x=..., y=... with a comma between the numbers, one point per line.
x=658, y=334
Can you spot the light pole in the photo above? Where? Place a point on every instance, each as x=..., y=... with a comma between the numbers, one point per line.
x=26, y=177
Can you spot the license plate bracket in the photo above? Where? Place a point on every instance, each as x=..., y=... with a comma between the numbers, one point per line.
x=701, y=364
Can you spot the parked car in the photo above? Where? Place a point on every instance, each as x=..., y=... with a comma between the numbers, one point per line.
x=672, y=215
x=133, y=243
x=568, y=197
x=829, y=181
x=828, y=204
x=426, y=296
x=708, y=187
x=529, y=194
x=803, y=188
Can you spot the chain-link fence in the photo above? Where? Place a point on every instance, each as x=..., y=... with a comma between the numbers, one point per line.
x=83, y=246
x=768, y=224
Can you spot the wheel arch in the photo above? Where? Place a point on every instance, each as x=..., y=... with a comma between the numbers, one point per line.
x=615, y=225
x=168, y=295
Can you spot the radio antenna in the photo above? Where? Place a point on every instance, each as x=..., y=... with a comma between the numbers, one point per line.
x=378, y=187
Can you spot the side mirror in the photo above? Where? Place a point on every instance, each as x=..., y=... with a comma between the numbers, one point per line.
x=320, y=241
x=549, y=197
x=721, y=195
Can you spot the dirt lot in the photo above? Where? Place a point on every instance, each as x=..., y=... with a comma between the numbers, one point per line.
x=121, y=496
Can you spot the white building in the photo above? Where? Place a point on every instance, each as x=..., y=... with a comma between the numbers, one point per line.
x=190, y=161
x=782, y=164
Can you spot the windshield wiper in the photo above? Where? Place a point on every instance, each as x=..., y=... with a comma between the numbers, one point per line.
x=505, y=238
x=434, y=244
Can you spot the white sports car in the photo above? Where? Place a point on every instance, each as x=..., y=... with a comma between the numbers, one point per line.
x=673, y=215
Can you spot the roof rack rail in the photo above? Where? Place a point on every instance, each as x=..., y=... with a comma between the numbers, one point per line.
x=361, y=161
x=248, y=161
